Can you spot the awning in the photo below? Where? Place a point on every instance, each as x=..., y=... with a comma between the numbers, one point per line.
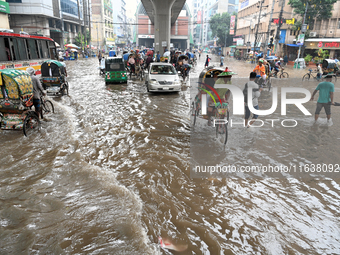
x=323, y=40
x=293, y=45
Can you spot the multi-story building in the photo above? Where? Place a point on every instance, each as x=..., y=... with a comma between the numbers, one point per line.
x=321, y=36
x=120, y=20
x=203, y=10
x=180, y=33
x=102, y=32
x=58, y=19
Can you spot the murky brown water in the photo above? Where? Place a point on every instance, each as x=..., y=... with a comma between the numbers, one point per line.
x=110, y=173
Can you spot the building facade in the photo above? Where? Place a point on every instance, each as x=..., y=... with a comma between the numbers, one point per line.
x=203, y=10
x=180, y=32
x=249, y=27
x=121, y=23
x=61, y=20
x=4, y=11
x=102, y=32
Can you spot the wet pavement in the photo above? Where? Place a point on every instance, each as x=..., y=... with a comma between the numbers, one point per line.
x=110, y=173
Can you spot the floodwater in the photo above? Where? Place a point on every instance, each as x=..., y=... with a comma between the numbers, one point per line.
x=110, y=173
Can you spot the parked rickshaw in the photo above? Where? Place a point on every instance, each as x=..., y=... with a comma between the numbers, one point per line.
x=53, y=78
x=329, y=66
x=16, y=98
x=207, y=80
x=115, y=71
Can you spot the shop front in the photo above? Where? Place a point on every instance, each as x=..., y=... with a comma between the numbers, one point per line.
x=330, y=44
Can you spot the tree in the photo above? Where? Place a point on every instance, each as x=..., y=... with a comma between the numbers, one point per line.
x=319, y=9
x=219, y=24
x=80, y=39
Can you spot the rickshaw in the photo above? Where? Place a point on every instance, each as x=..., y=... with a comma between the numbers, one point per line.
x=115, y=70
x=184, y=69
x=206, y=82
x=16, y=98
x=329, y=66
x=112, y=53
x=53, y=78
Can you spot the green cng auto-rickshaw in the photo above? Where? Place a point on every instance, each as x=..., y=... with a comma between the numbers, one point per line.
x=115, y=71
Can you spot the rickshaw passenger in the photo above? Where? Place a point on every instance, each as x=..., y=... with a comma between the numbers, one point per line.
x=132, y=63
x=38, y=91
x=64, y=65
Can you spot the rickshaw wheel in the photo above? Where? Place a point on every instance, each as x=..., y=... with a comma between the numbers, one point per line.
x=64, y=89
x=31, y=123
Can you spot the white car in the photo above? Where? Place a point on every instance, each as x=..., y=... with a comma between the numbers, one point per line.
x=162, y=77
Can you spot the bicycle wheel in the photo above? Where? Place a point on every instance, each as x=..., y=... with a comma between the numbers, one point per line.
x=64, y=89
x=31, y=123
x=47, y=107
x=306, y=77
x=284, y=75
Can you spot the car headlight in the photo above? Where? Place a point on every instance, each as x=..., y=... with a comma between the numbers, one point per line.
x=154, y=82
x=177, y=82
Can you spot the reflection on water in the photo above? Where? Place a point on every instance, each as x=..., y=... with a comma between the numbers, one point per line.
x=111, y=173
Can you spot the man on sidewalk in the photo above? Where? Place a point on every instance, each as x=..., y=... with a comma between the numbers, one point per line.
x=325, y=100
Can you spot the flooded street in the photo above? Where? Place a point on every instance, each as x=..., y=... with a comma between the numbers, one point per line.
x=109, y=173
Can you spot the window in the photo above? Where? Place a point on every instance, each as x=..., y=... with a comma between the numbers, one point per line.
x=44, y=49
x=19, y=49
x=339, y=24
x=5, y=53
x=32, y=49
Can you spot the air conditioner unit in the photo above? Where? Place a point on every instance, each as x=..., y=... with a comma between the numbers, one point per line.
x=312, y=34
x=331, y=31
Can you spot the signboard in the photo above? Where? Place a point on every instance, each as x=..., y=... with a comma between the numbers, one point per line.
x=244, y=4
x=146, y=36
x=284, y=21
x=171, y=45
x=4, y=7
x=329, y=44
x=232, y=24
x=240, y=42
x=304, y=28
x=164, y=44
x=199, y=17
x=301, y=39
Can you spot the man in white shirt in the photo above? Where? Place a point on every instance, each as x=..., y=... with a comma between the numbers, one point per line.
x=256, y=92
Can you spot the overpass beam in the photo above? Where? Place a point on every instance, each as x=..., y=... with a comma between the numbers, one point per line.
x=162, y=24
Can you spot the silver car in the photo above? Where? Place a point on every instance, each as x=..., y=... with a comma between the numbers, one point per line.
x=162, y=77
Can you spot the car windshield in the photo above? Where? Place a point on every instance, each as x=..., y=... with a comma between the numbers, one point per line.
x=160, y=69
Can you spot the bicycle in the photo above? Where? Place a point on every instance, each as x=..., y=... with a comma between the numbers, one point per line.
x=280, y=74
x=310, y=75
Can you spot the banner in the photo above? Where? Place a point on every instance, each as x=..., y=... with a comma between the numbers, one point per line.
x=199, y=17
x=301, y=39
x=232, y=24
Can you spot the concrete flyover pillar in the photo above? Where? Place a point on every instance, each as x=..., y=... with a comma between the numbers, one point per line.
x=162, y=12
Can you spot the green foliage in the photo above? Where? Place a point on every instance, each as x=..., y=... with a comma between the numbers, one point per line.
x=219, y=24
x=323, y=54
x=80, y=39
x=308, y=58
x=319, y=9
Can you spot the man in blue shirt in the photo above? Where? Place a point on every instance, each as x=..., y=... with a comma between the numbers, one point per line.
x=325, y=100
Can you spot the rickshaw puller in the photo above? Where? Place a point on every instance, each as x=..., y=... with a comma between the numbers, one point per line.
x=38, y=91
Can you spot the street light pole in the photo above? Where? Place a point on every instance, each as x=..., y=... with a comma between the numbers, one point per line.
x=304, y=18
x=268, y=32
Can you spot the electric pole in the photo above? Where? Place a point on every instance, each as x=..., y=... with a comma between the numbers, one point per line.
x=257, y=30
x=268, y=32
x=303, y=23
x=278, y=31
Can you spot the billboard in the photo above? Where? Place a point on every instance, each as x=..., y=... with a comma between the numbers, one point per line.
x=199, y=17
x=232, y=25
